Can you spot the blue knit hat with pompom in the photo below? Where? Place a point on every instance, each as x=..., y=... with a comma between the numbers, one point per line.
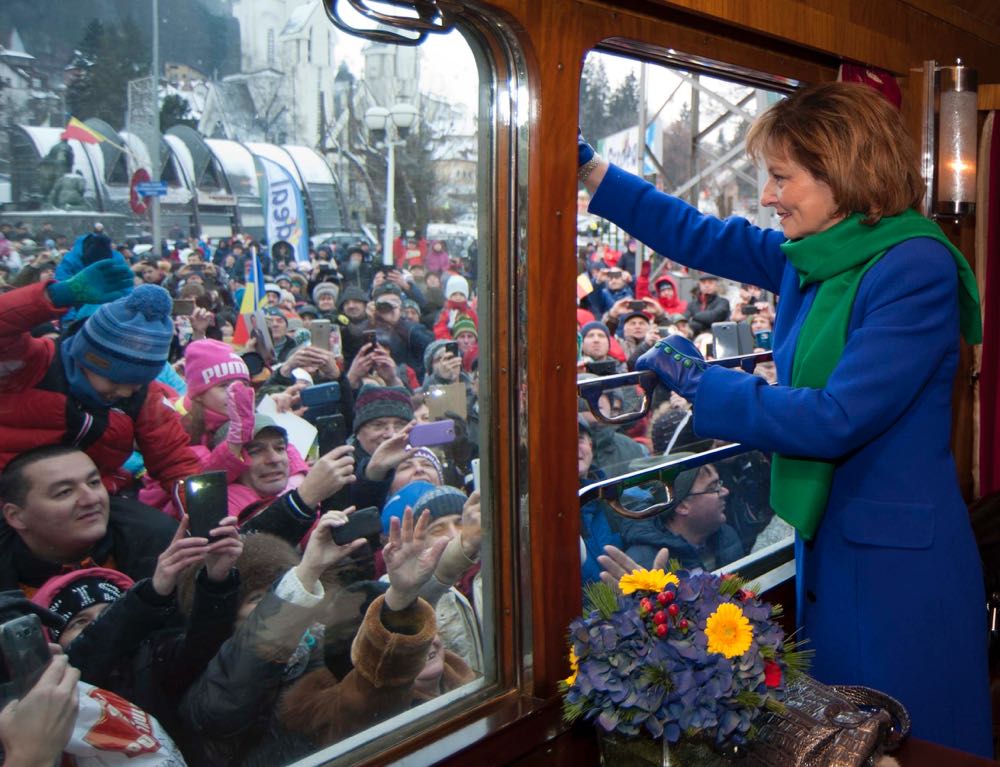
x=127, y=341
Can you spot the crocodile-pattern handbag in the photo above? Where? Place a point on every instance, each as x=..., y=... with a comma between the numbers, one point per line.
x=823, y=726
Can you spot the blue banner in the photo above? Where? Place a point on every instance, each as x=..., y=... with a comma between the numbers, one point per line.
x=283, y=209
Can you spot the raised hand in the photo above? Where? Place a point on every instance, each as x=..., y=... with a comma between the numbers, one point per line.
x=615, y=563
x=389, y=454
x=328, y=475
x=410, y=556
x=223, y=551
x=322, y=552
x=176, y=558
x=472, y=527
x=240, y=410
x=100, y=283
x=36, y=728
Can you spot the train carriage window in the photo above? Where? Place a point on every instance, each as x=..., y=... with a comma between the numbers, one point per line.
x=333, y=215
x=692, y=146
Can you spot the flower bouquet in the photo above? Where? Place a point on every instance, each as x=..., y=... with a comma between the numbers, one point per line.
x=682, y=659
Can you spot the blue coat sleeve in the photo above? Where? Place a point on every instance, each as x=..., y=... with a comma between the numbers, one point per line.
x=903, y=325
x=733, y=248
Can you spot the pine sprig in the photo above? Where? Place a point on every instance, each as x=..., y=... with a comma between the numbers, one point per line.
x=600, y=597
x=796, y=658
x=749, y=699
x=658, y=676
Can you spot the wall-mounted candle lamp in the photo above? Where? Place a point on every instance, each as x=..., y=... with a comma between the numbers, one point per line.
x=956, y=140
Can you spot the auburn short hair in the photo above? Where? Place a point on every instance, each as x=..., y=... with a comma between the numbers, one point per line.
x=850, y=137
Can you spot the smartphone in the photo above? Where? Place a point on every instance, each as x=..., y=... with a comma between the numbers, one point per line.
x=183, y=307
x=25, y=652
x=602, y=368
x=433, y=433
x=207, y=502
x=332, y=432
x=452, y=348
x=731, y=339
x=336, y=343
x=363, y=523
x=762, y=340
x=614, y=273
x=748, y=309
x=475, y=475
x=637, y=306
x=321, y=394
x=319, y=334
x=369, y=337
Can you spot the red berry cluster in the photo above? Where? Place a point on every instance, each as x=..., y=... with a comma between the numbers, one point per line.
x=660, y=611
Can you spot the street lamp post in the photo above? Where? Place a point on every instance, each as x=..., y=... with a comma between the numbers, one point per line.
x=394, y=124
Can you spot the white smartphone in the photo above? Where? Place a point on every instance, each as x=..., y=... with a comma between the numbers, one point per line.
x=475, y=475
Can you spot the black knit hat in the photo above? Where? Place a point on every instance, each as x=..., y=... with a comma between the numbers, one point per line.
x=443, y=501
x=381, y=402
x=387, y=287
x=352, y=293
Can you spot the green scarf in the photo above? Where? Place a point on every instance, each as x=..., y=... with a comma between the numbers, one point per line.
x=838, y=259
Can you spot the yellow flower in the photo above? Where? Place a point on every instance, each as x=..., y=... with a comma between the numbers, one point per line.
x=728, y=631
x=646, y=580
x=574, y=664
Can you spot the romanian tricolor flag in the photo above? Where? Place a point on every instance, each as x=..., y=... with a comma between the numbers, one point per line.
x=253, y=294
x=78, y=130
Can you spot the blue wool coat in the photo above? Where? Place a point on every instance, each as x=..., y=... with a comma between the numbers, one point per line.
x=890, y=592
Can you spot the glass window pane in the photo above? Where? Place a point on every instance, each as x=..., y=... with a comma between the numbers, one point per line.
x=630, y=298
x=302, y=210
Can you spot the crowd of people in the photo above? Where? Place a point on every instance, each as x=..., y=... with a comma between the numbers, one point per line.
x=719, y=513
x=122, y=377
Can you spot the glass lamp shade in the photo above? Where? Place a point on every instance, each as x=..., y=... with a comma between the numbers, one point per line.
x=957, y=133
x=376, y=118
x=404, y=115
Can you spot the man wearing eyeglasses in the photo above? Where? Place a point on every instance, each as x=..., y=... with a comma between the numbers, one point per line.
x=694, y=528
x=405, y=340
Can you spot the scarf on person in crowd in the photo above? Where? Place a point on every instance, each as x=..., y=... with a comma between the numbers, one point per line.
x=838, y=260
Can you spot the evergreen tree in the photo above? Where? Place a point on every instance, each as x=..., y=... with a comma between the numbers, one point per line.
x=594, y=95
x=175, y=110
x=623, y=106
x=113, y=56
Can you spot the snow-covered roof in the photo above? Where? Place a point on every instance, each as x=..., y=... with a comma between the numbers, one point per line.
x=313, y=167
x=299, y=18
x=276, y=154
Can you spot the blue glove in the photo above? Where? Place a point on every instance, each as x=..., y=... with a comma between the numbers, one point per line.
x=99, y=283
x=677, y=363
x=584, y=151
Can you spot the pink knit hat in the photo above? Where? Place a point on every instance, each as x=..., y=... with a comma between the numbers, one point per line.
x=208, y=363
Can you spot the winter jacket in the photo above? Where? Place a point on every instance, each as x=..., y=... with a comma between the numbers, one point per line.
x=134, y=650
x=450, y=314
x=136, y=536
x=37, y=407
x=643, y=538
x=603, y=298
x=230, y=708
x=596, y=519
x=703, y=310
x=613, y=450
x=405, y=340
x=388, y=653
x=675, y=305
x=884, y=419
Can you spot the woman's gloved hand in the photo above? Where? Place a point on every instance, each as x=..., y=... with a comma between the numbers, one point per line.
x=584, y=151
x=240, y=409
x=677, y=363
x=100, y=283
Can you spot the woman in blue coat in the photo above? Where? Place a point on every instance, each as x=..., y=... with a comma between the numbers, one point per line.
x=873, y=298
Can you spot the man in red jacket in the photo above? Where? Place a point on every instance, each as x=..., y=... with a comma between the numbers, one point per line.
x=94, y=388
